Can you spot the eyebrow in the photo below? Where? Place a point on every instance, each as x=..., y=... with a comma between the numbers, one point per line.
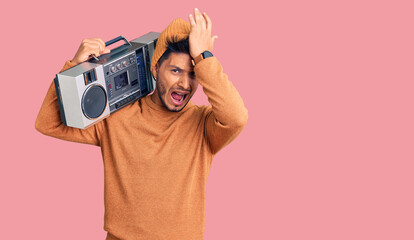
x=173, y=66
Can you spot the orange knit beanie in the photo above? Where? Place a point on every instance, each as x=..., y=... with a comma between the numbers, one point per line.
x=178, y=30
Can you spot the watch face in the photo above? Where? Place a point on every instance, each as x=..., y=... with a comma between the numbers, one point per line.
x=207, y=54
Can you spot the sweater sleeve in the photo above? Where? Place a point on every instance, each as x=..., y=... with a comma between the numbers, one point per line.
x=227, y=116
x=49, y=122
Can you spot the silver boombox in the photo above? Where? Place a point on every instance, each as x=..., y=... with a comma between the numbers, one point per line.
x=92, y=90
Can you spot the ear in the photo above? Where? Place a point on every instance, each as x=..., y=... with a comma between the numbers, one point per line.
x=155, y=71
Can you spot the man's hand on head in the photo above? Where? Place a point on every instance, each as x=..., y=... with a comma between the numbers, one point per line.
x=88, y=47
x=200, y=38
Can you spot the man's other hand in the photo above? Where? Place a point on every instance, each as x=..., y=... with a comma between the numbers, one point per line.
x=200, y=38
x=88, y=47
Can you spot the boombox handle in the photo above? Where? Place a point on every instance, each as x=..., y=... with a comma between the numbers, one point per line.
x=116, y=40
x=112, y=42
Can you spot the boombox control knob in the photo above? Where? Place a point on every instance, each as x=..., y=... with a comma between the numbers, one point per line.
x=113, y=69
x=118, y=66
x=125, y=63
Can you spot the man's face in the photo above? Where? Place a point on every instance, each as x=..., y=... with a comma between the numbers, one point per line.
x=176, y=82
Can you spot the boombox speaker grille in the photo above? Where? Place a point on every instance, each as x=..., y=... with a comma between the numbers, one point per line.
x=94, y=101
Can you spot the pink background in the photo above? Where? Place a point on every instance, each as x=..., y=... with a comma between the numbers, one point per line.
x=328, y=149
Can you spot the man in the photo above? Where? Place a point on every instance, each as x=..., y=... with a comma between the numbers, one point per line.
x=157, y=151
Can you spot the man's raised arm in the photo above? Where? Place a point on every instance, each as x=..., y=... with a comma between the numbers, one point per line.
x=228, y=115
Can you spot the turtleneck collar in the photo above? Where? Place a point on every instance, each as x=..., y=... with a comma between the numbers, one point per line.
x=156, y=107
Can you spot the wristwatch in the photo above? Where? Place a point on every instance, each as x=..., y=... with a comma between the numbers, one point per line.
x=203, y=55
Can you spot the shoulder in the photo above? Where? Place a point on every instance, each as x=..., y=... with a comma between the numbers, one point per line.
x=124, y=113
x=199, y=112
x=197, y=109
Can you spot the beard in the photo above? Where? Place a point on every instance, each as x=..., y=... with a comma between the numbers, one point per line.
x=162, y=92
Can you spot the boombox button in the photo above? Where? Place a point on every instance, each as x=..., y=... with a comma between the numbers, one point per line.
x=118, y=66
x=113, y=69
x=125, y=63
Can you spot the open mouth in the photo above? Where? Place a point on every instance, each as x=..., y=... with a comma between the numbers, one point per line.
x=178, y=98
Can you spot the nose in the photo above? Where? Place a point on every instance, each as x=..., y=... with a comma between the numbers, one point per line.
x=184, y=82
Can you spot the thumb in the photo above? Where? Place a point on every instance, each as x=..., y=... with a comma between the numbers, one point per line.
x=106, y=50
x=214, y=39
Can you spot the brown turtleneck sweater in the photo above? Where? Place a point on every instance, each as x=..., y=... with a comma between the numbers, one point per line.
x=156, y=162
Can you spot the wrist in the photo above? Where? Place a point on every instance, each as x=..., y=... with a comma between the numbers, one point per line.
x=196, y=54
x=201, y=56
x=73, y=62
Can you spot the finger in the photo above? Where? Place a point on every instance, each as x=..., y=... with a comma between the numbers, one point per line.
x=213, y=39
x=106, y=50
x=101, y=43
x=90, y=41
x=192, y=20
x=96, y=53
x=208, y=21
x=93, y=43
x=199, y=18
x=92, y=48
x=195, y=14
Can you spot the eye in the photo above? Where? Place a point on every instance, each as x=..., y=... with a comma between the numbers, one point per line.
x=192, y=74
x=174, y=70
